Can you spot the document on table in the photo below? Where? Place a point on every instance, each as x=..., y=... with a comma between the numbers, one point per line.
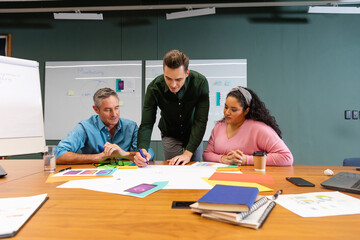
x=112, y=185
x=14, y=212
x=320, y=204
x=178, y=177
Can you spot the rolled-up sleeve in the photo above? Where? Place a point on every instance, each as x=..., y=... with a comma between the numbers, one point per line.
x=200, y=118
x=73, y=142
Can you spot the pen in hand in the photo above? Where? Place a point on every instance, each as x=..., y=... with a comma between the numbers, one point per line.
x=101, y=148
x=142, y=154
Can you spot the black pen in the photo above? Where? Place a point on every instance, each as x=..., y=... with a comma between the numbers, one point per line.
x=68, y=168
x=274, y=197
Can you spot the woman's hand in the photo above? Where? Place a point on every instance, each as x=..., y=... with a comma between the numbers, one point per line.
x=236, y=157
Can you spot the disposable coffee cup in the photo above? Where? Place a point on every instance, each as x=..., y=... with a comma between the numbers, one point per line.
x=259, y=161
x=49, y=157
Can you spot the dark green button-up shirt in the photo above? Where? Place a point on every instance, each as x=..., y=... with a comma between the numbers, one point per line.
x=183, y=115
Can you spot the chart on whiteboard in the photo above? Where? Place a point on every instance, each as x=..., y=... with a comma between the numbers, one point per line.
x=70, y=86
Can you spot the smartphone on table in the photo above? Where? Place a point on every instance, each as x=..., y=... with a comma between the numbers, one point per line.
x=298, y=181
x=182, y=204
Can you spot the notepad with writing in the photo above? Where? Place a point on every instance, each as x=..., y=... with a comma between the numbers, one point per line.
x=15, y=212
x=228, y=198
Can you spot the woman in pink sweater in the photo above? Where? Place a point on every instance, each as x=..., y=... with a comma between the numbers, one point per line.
x=247, y=127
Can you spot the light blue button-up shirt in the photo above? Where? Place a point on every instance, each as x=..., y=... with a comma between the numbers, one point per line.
x=86, y=137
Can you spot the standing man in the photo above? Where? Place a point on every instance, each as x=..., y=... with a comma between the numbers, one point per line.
x=102, y=136
x=183, y=98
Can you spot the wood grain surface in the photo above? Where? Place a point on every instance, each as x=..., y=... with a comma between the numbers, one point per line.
x=85, y=214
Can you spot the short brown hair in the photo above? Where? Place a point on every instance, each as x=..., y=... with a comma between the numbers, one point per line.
x=175, y=59
x=103, y=93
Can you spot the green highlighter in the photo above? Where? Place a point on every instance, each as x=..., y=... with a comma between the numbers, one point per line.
x=228, y=168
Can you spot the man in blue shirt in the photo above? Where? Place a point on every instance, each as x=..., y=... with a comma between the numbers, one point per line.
x=102, y=136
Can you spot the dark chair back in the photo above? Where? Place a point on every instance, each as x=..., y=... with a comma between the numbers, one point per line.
x=351, y=162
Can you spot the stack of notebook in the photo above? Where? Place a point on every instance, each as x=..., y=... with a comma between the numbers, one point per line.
x=232, y=204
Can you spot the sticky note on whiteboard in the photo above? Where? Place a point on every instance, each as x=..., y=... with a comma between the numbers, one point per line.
x=218, y=97
x=121, y=103
x=119, y=85
x=70, y=93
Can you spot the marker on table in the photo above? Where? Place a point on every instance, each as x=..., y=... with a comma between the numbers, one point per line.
x=276, y=195
x=101, y=148
x=64, y=169
x=142, y=154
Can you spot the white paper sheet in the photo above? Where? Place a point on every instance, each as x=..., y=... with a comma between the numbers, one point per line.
x=179, y=177
x=14, y=212
x=108, y=185
x=320, y=204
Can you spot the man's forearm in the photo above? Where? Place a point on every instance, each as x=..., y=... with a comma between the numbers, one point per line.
x=144, y=136
x=76, y=158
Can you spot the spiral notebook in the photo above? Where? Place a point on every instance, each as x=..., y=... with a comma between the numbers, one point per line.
x=255, y=220
x=252, y=219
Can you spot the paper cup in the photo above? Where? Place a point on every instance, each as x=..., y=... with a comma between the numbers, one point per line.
x=259, y=161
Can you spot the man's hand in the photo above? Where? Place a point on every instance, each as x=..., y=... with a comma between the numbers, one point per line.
x=236, y=157
x=183, y=158
x=114, y=151
x=140, y=161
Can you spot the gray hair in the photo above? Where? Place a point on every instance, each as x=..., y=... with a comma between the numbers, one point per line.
x=103, y=93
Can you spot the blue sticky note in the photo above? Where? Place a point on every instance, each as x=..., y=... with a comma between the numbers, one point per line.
x=218, y=97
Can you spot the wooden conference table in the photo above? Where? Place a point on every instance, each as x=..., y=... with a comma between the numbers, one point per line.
x=84, y=214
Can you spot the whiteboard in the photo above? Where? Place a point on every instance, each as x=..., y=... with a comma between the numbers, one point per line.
x=222, y=75
x=70, y=87
x=21, y=121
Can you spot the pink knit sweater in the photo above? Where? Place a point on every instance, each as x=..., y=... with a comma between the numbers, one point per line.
x=252, y=136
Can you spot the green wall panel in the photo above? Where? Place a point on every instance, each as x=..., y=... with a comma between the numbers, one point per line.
x=305, y=71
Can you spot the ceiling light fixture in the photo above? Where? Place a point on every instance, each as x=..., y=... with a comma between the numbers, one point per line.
x=78, y=16
x=190, y=13
x=335, y=10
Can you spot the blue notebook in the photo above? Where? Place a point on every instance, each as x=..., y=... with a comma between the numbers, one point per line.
x=229, y=198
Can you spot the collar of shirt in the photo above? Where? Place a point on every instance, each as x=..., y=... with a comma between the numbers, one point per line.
x=101, y=125
x=181, y=92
